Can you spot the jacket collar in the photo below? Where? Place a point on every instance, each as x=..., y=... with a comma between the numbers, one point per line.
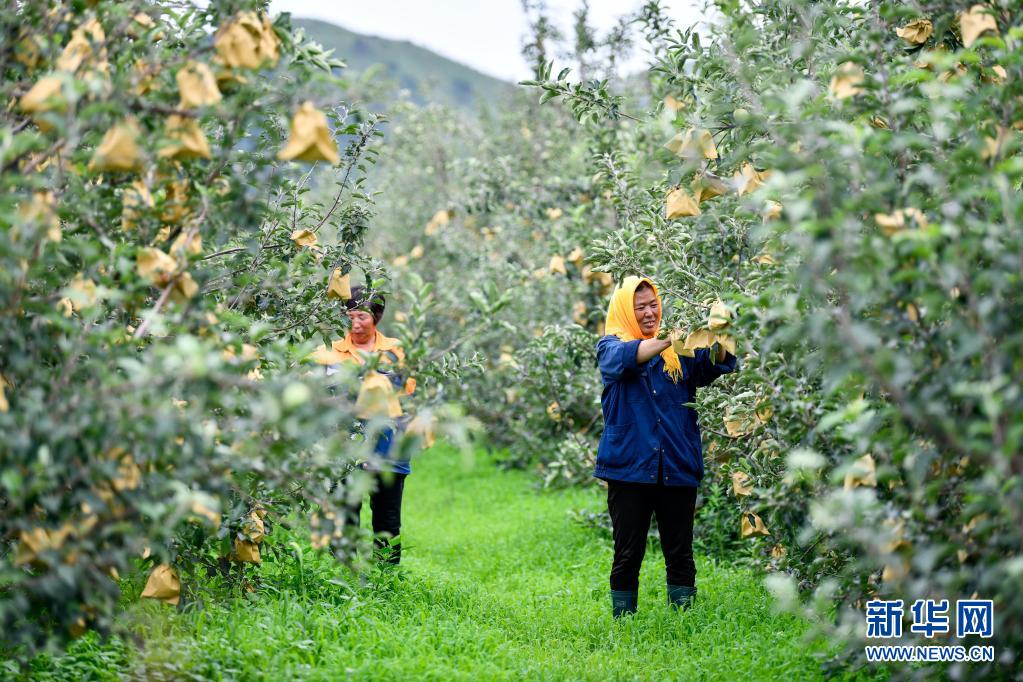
x=380, y=344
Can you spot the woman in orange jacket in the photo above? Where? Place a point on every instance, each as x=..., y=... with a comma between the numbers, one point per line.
x=360, y=346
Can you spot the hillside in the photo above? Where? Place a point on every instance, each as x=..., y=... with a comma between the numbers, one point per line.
x=428, y=76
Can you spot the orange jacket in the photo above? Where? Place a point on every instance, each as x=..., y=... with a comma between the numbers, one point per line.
x=344, y=350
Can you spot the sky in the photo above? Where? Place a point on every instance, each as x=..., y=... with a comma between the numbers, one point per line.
x=485, y=34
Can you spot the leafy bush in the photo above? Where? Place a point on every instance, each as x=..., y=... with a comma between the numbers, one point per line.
x=495, y=221
x=165, y=273
x=867, y=240
x=847, y=183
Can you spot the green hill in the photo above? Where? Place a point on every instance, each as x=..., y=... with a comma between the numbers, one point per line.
x=428, y=76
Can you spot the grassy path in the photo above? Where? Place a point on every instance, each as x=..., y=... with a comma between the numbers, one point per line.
x=497, y=583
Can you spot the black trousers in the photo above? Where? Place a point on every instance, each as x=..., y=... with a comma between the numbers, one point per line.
x=630, y=506
x=385, y=505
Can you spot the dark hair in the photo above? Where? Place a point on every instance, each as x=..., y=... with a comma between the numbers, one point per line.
x=371, y=302
x=642, y=286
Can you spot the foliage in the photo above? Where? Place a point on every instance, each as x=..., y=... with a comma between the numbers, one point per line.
x=459, y=211
x=868, y=241
x=846, y=183
x=863, y=237
x=164, y=277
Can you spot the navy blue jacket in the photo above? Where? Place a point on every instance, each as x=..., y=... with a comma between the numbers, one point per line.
x=646, y=425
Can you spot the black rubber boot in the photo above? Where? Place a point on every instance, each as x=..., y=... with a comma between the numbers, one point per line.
x=624, y=602
x=680, y=596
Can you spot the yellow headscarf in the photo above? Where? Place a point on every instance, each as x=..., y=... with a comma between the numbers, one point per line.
x=621, y=321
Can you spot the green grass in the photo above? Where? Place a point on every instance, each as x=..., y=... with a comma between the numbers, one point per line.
x=496, y=583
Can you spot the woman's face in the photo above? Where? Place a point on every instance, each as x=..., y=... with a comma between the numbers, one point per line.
x=648, y=311
x=363, y=326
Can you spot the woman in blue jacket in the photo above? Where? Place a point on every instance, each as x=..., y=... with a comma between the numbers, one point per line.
x=650, y=452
